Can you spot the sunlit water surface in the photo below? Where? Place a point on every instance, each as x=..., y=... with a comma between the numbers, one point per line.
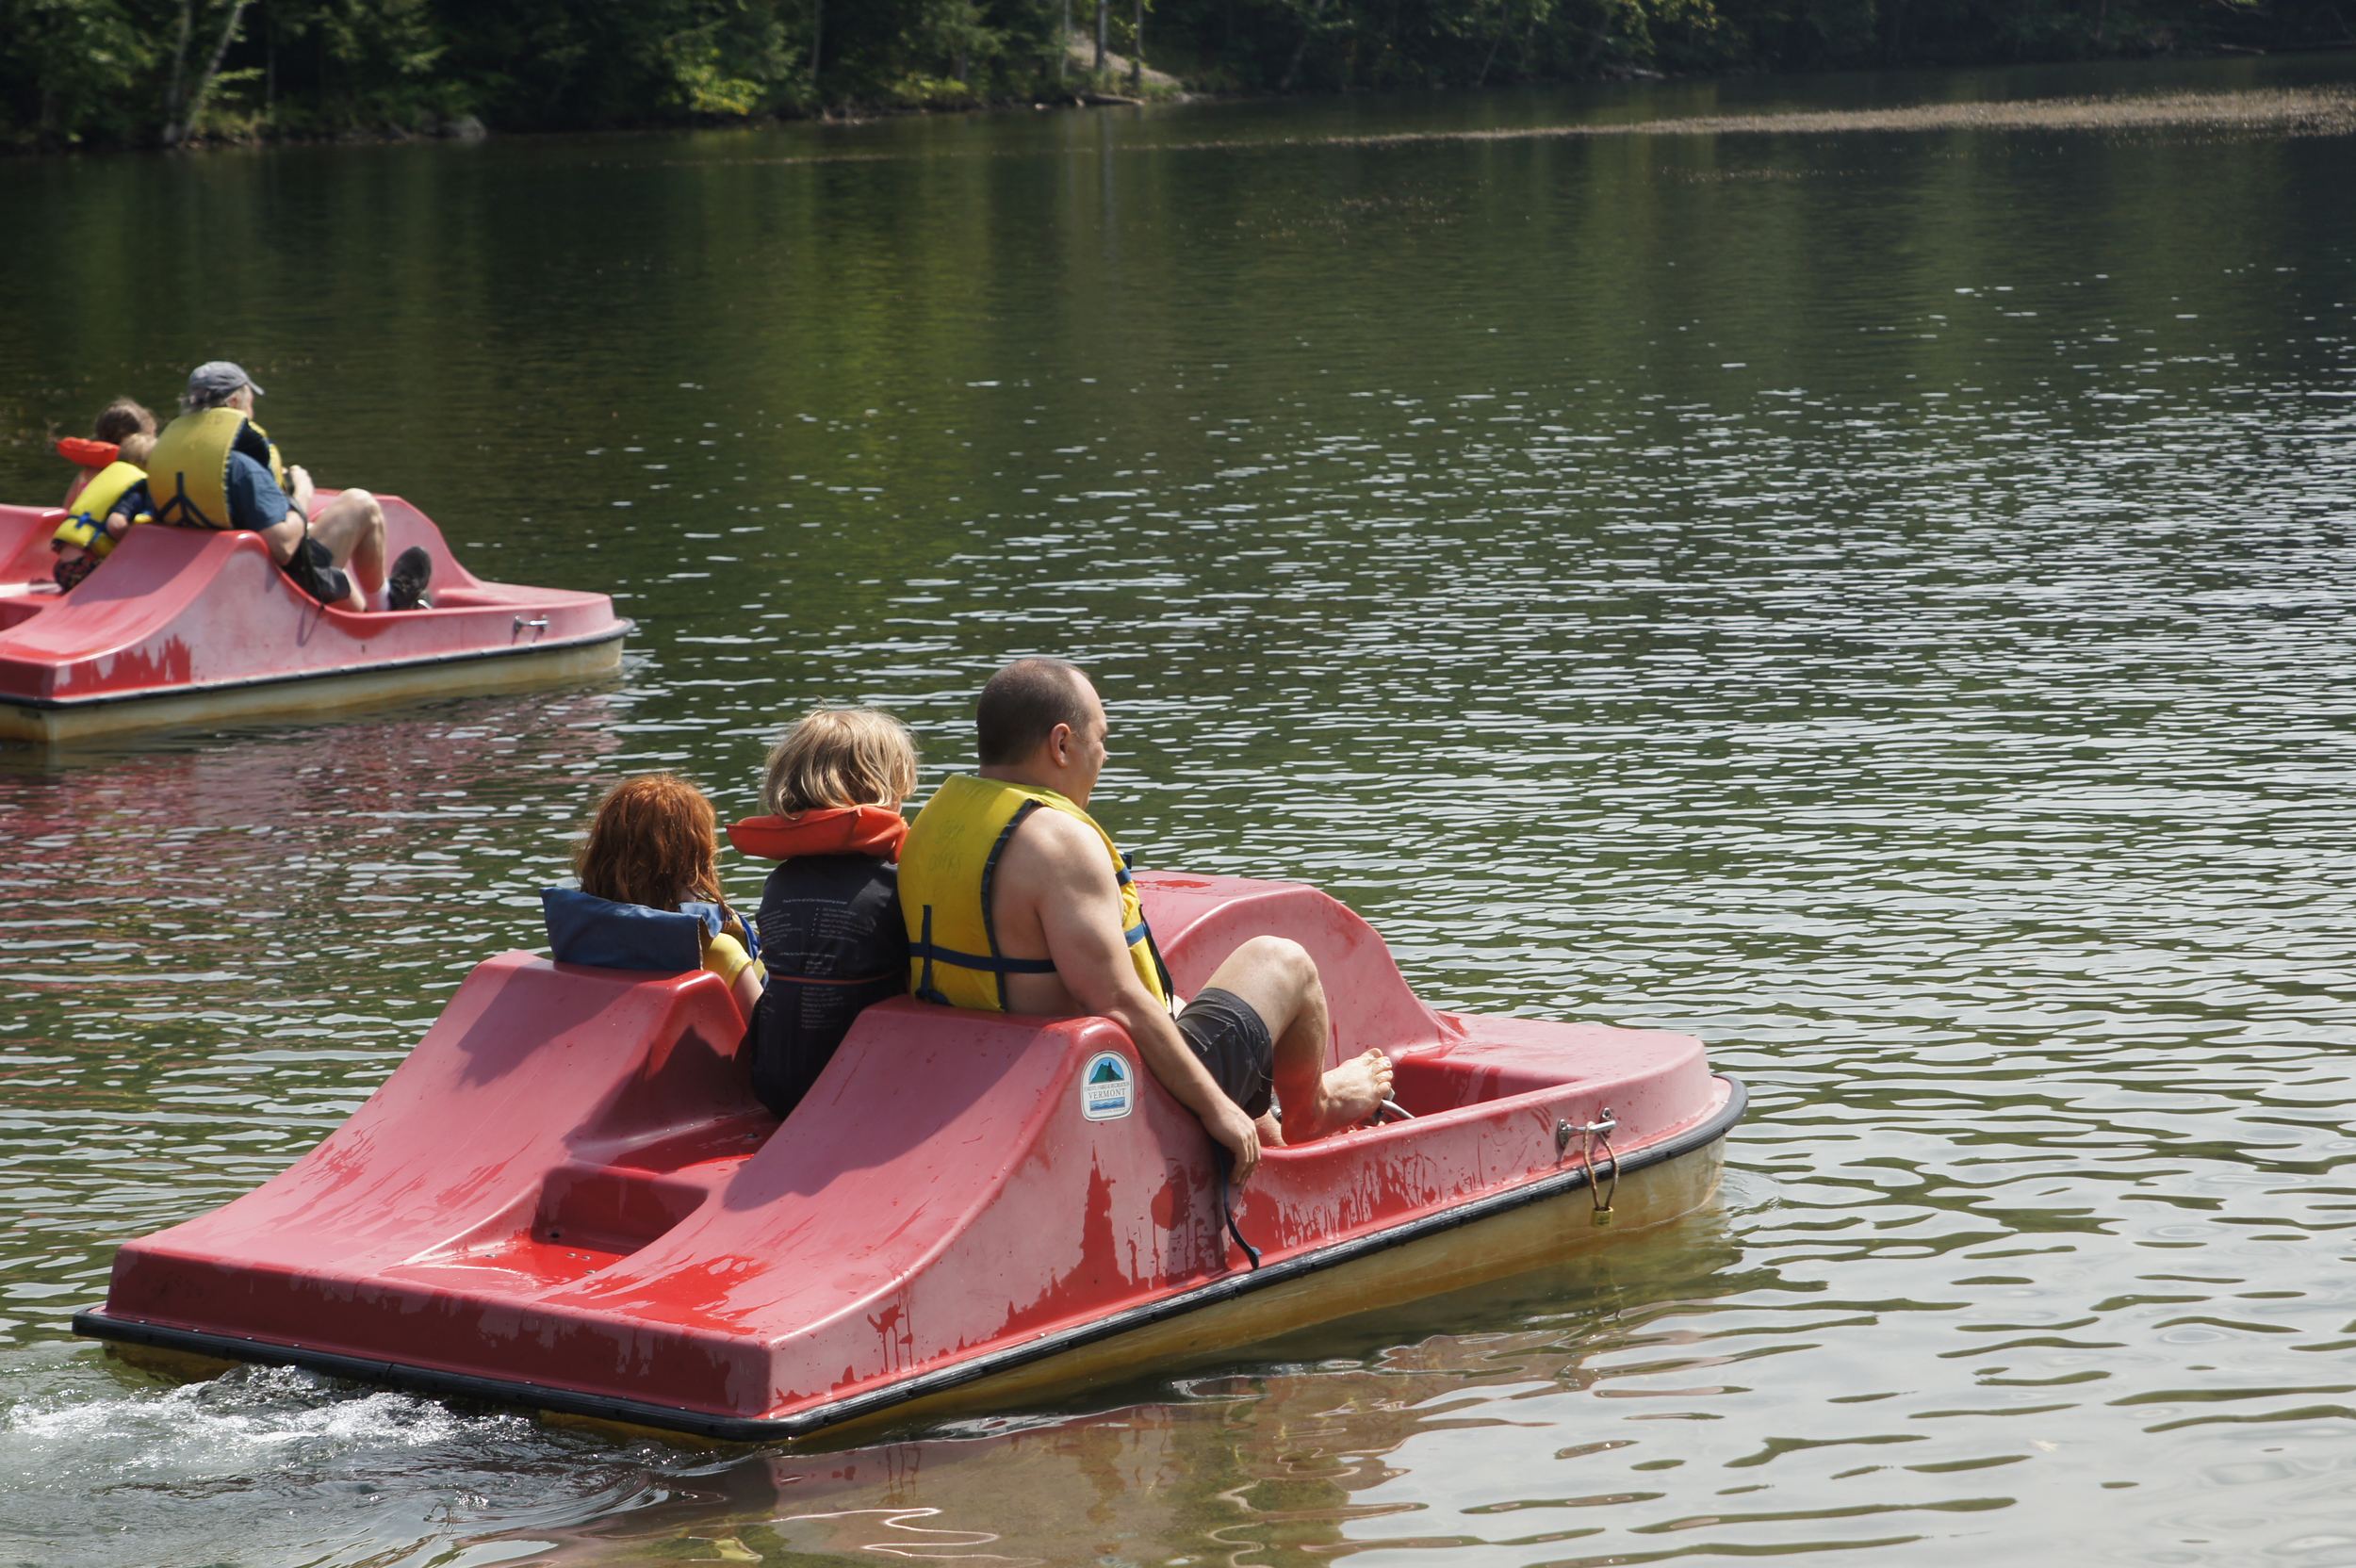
x=1883, y=602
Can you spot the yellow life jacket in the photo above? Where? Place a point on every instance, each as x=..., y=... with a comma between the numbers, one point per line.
x=188, y=470
x=946, y=874
x=84, y=528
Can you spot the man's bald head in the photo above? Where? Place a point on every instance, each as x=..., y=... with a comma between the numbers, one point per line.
x=1023, y=703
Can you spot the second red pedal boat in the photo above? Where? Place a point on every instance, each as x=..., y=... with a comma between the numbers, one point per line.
x=187, y=627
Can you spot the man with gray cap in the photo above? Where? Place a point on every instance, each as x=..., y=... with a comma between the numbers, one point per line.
x=215, y=468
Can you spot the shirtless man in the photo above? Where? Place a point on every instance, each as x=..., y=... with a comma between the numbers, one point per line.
x=1063, y=932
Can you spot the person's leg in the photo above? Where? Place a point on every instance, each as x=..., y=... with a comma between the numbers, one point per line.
x=311, y=569
x=352, y=528
x=1277, y=979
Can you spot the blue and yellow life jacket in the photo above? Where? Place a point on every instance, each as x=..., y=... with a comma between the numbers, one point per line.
x=187, y=473
x=945, y=873
x=604, y=934
x=84, y=527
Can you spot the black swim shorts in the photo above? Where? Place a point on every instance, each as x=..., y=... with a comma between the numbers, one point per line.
x=1231, y=1039
x=313, y=571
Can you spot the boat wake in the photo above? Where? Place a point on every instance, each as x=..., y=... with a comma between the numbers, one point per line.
x=98, y=1470
x=223, y=1427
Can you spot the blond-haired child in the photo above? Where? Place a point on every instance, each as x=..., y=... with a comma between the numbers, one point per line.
x=829, y=919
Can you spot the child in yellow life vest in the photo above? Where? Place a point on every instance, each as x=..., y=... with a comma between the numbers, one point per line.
x=654, y=846
x=112, y=461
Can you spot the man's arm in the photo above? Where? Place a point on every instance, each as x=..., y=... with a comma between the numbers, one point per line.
x=287, y=535
x=1079, y=914
x=256, y=502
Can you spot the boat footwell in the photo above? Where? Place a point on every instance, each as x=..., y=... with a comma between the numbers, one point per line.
x=567, y=1198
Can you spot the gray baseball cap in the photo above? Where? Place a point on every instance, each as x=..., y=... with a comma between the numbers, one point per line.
x=217, y=378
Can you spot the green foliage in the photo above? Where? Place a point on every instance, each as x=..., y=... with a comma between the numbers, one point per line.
x=723, y=65
x=74, y=70
x=99, y=71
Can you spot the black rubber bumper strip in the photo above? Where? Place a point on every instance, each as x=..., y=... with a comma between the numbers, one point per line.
x=95, y=1323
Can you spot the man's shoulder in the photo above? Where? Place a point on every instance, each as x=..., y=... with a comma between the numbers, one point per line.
x=1065, y=832
x=1052, y=847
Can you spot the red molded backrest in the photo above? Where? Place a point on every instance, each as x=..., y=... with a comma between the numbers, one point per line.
x=1198, y=921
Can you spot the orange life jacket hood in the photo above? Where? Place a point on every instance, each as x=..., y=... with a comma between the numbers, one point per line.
x=875, y=830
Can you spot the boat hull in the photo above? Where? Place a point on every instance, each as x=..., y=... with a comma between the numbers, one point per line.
x=1532, y=1230
x=316, y=697
x=567, y=1198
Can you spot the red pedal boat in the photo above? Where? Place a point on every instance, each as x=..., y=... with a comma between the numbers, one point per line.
x=184, y=627
x=567, y=1197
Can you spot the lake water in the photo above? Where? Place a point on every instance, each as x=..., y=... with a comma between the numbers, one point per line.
x=1882, y=600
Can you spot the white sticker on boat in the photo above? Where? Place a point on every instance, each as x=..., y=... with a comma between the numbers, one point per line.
x=1108, y=1087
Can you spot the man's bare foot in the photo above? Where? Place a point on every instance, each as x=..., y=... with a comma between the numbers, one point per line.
x=1353, y=1091
x=1271, y=1131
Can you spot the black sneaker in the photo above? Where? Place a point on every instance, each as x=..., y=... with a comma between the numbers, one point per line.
x=412, y=570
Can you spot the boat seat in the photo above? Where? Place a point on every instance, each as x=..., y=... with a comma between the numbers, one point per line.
x=1198, y=921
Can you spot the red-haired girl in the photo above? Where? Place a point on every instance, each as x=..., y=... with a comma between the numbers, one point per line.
x=654, y=843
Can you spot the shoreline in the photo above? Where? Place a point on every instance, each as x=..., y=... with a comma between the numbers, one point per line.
x=2317, y=111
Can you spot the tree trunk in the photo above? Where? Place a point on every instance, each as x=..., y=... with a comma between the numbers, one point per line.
x=179, y=72
x=182, y=118
x=1301, y=50
x=212, y=67
x=1104, y=21
x=817, y=38
x=1505, y=17
x=1136, y=47
x=1063, y=43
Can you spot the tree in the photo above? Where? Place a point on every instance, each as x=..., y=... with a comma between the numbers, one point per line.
x=180, y=116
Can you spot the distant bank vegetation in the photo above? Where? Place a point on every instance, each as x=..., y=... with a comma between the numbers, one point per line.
x=119, y=72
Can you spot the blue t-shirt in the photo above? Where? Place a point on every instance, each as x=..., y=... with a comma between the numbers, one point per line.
x=254, y=500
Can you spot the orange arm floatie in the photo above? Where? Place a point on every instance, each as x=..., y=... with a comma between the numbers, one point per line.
x=83, y=452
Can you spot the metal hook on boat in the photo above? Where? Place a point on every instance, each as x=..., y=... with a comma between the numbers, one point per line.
x=1600, y=1131
x=538, y=624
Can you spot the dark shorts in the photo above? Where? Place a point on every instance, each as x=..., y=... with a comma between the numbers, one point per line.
x=1231, y=1039
x=314, y=572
